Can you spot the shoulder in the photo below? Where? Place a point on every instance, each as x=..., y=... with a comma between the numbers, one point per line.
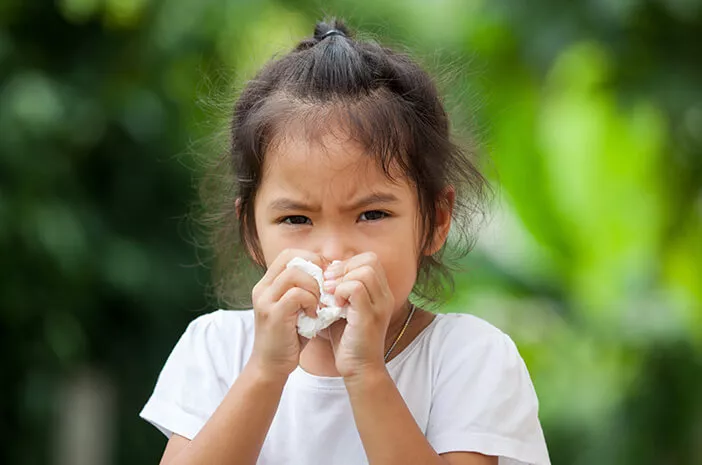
x=221, y=324
x=465, y=322
x=462, y=330
x=469, y=343
x=225, y=337
x=224, y=322
x=483, y=399
x=199, y=371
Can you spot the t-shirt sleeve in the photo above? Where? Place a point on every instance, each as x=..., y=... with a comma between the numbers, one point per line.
x=192, y=383
x=484, y=402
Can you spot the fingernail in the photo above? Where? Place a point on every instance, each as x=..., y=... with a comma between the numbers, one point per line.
x=333, y=270
x=329, y=285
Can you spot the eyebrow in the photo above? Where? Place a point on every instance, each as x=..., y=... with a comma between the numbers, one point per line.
x=285, y=204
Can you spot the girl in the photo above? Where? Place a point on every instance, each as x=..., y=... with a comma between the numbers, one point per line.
x=342, y=152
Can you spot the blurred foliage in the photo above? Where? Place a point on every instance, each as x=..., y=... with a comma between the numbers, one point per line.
x=590, y=117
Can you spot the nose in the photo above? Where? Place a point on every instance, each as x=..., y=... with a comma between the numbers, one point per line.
x=333, y=244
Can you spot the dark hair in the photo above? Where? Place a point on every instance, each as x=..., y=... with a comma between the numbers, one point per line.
x=383, y=100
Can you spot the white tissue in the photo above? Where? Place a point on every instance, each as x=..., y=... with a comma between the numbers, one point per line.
x=307, y=326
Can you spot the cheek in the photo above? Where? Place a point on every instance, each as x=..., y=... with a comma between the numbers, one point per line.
x=271, y=241
x=401, y=275
x=268, y=244
x=400, y=265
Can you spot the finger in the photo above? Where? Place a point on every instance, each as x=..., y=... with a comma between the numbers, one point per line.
x=370, y=279
x=303, y=341
x=281, y=261
x=366, y=259
x=292, y=277
x=334, y=333
x=335, y=269
x=332, y=275
x=296, y=299
x=353, y=293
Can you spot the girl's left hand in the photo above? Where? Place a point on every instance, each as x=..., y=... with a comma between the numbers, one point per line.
x=359, y=341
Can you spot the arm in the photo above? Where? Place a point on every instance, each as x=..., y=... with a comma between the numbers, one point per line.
x=229, y=426
x=389, y=432
x=236, y=431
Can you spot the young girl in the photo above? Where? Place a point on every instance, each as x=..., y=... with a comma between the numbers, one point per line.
x=342, y=153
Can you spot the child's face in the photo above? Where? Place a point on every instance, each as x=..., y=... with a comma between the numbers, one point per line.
x=332, y=199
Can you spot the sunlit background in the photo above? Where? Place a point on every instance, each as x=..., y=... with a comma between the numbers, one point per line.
x=589, y=119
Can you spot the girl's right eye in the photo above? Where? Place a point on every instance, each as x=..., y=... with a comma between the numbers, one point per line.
x=296, y=220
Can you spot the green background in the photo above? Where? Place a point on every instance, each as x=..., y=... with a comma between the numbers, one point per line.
x=589, y=119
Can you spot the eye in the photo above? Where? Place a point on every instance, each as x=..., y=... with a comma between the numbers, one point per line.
x=296, y=220
x=374, y=215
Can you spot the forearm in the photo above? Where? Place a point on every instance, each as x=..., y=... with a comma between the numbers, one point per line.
x=389, y=432
x=235, y=432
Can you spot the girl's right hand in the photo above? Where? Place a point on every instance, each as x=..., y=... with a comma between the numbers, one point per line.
x=277, y=299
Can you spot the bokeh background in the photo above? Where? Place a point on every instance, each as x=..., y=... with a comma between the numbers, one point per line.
x=589, y=119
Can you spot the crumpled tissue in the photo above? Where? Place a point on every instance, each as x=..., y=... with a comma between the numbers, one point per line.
x=307, y=326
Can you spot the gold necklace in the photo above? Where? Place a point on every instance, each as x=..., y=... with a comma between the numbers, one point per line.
x=402, y=331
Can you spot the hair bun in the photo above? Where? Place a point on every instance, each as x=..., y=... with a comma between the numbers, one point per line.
x=323, y=29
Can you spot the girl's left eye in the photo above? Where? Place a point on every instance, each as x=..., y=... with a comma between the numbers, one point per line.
x=374, y=215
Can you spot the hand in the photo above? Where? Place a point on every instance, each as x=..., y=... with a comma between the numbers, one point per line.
x=359, y=342
x=277, y=300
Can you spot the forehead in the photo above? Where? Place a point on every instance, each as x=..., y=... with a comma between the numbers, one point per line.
x=330, y=167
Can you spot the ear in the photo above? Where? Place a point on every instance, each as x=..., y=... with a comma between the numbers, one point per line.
x=444, y=211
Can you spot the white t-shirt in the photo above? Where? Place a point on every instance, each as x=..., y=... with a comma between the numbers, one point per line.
x=462, y=379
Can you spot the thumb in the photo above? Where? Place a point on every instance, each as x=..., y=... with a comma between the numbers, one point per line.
x=335, y=331
x=303, y=341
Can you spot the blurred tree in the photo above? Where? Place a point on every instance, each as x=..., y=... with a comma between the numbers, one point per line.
x=591, y=113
